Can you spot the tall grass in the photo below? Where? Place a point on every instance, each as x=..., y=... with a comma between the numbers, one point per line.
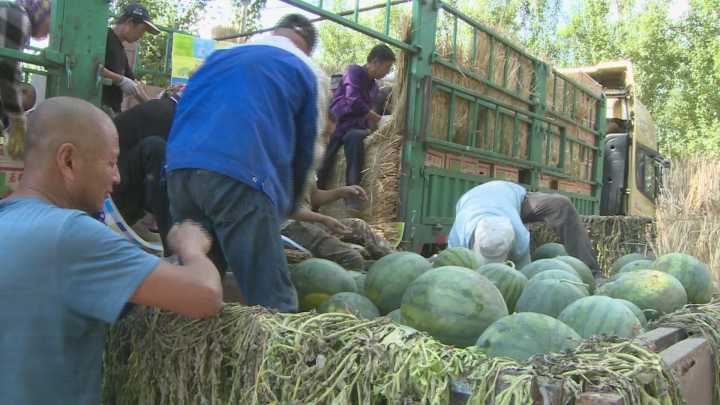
x=688, y=211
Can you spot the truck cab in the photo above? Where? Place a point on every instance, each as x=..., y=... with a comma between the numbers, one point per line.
x=633, y=167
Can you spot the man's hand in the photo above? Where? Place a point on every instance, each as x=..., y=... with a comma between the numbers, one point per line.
x=189, y=239
x=373, y=118
x=355, y=192
x=128, y=86
x=336, y=226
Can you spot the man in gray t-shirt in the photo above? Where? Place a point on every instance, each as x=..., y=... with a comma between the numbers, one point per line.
x=66, y=276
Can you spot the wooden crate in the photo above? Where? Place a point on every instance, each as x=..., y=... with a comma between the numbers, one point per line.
x=508, y=173
x=434, y=158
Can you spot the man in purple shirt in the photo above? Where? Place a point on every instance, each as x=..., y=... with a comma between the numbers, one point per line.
x=351, y=106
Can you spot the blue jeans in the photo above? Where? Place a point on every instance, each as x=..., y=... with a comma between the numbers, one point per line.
x=245, y=230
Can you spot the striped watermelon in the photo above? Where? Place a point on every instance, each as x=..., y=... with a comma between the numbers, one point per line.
x=541, y=265
x=561, y=275
x=396, y=316
x=693, y=274
x=520, y=336
x=654, y=292
x=548, y=297
x=549, y=251
x=633, y=266
x=458, y=256
x=316, y=280
x=389, y=277
x=350, y=303
x=509, y=281
x=625, y=260
x=581, y=269
x=598, y=315
x=453, y=304
x=635, y=310
x=359, y=279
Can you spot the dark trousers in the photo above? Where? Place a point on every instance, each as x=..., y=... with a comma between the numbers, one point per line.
x=245, y=230
x=558, y=212
x=354, y=157
x=142, y=187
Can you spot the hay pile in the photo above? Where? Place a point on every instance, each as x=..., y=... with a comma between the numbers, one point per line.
x=688, y=210
x=248, y=355
x=612, y=237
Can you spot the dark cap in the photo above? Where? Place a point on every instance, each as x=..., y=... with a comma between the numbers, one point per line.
x=302, y=26
x=138, y=13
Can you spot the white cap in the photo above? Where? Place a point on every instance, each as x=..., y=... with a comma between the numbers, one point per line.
x=494, y=237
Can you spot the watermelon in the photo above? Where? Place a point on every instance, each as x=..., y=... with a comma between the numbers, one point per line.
x=625, y=260
x=509, y=281
x=573, y=278
x=520, y=336
x=541, y=265
x=458, y=256
x=359, y=279
x=636, y=265
x=350, y=303
x=581, y=269
x=548, y=297
x=453, y=304
x=598, y=315
x=316, y=280
x=654, y=292
x=693, y=274
x=390, y=276
x=635, y=310
x=549, y=251
x=396, y=316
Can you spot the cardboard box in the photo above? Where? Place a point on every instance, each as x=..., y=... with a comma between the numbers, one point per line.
x=576, y=187
x=453, y=162
x=507, y=173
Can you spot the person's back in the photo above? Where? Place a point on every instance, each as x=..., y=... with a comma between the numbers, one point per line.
x=494, y=198
x=55, y=308
x=152, y=118
x=254, y=138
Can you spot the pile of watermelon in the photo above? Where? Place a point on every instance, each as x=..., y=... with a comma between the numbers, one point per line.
x=549, y=305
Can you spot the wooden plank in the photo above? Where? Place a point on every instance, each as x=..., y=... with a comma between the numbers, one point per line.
x=599, y=398
x=660, y=339
x=692, y=360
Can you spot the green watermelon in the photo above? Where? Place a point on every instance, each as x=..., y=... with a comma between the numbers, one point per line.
x=316, y=280
x=520, y=336
x=453, y=304
x=635, y=310
x=599, y=315
x=350, y=303
x=396, y=316
x=541, y=265
x=548, y=297
x=458, y=256
x=509, y=281
x=625, y=260
x=390, y=276
x=561, y=275
x=635, y=266
x=693, y=274
x=359, y=279
x=654, y=292
x=581, y=269
x=549, y=251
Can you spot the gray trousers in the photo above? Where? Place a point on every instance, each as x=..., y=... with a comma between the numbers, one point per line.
x=245, y=229
x=558, y=212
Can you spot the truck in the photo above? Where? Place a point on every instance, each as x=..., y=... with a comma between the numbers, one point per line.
x=632, y=167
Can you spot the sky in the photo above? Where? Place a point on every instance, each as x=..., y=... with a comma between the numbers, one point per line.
x=221, y=12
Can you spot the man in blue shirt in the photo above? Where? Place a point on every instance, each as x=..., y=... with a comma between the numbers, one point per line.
x=66, y=276
x=239, y=167
x=490, y=219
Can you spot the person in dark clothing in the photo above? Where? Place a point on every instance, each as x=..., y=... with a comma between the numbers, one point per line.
x=131, y=26
x=143, y=131
x=352, y=107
